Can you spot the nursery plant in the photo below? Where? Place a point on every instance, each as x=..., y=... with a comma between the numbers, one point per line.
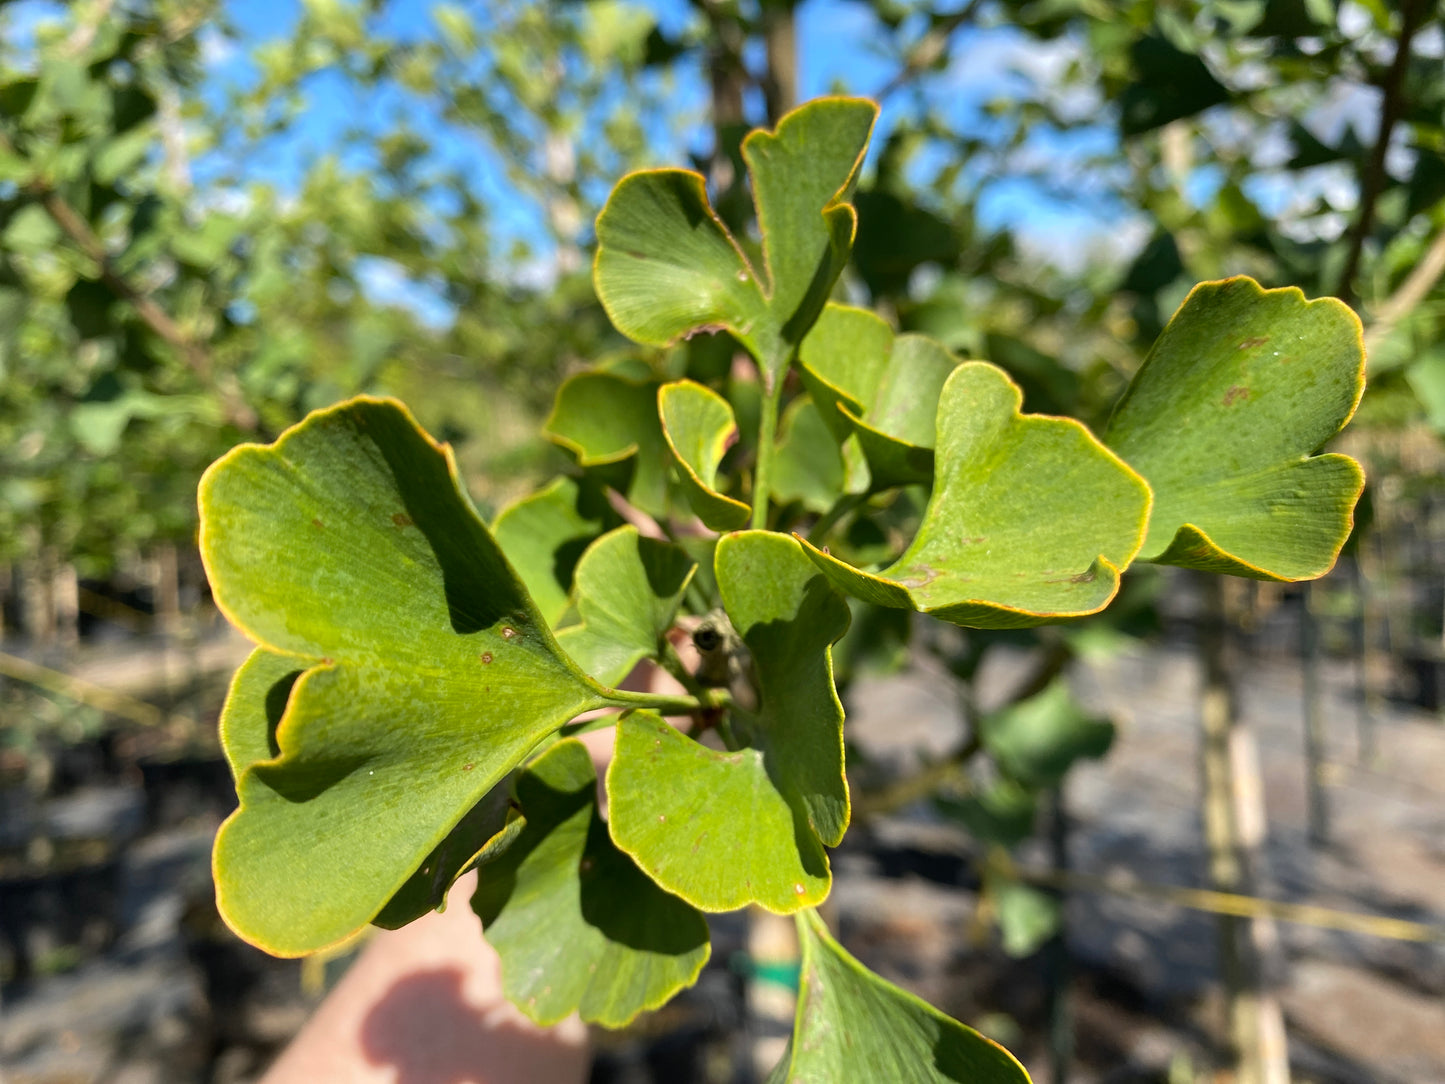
x=766, y=463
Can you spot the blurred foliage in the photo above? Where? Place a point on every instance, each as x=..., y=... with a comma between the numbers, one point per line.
x=161, y=299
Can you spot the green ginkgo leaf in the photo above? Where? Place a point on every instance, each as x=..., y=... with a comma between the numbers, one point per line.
x=699, y=426
x=853, y=1025
x=808, y=466
x=667, y=267
x=725, y=829
x=628, y=591
x=1031, y=518
x=544, y=535
x=605, y=418
x=349, y=547
x=1223, y=418
x=1037, y=740
x=578, y=926
x=877, y=389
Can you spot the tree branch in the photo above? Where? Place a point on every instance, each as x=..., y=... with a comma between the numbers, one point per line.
x=1372, y=182
x=928, y=51
x=1416, y=287
x=237, y=412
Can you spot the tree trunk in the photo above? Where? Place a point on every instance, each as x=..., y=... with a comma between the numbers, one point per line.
x=1249, y=954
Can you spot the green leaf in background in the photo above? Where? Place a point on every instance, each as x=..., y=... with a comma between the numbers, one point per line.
x=725, y=829
x=1427, y=379
x=853, y=1025
x=628, y=591
x=578, y=926
x=605, y=418
x=698, y=424
x=1242, y=386
x=1031, y=518
x=1027, y=917
x=1004, y=813
x=544, y=536
x=808, y=466
x=667, y=267
x=1037, y=740
x=350, y=546
x=881, y=389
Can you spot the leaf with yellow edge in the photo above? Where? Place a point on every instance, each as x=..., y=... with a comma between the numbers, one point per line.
x=1223, y=418
x=698, y=424
x=1031, y=518
x=349, y=547
x=667, y=267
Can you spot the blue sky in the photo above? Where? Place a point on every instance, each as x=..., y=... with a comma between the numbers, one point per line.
x=837, y=51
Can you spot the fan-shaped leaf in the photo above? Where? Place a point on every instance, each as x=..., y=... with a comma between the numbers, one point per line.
x=881, y=389
x=1030, y=521
x=667, y=267
x=628, y=590
x=603, y=418
x=578, y=926
x=349, y=546
x=726, y=829
x=852, y=1025
x=544, y=535
x=1242, y=386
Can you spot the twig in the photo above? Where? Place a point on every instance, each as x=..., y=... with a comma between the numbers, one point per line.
x=1372, y=183
x=929, y=49
x=83, y=692
x=75, y=227
x=1416, y=287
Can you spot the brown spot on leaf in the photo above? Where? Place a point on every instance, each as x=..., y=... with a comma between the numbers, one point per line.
x=401, y=519
x=317, y=523
x=325, y=660
x=508, y=632
x=1253, y=341
x=1086, y=576
x=585, y=866
x=486, y=657
x=1236, y=393
x=467, y=767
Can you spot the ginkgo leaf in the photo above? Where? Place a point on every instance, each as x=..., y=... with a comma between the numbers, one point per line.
x=628, y=591
x=667, y=267
x=852, y=1025
x=428, y=674
x=1223, y=418
x=1031, y=518
x=578, y=926
x=698, y=424
x=878, y=389
x=724, y=829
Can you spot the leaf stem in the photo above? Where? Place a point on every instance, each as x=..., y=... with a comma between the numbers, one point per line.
x=668, y=705
x=767, y=438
